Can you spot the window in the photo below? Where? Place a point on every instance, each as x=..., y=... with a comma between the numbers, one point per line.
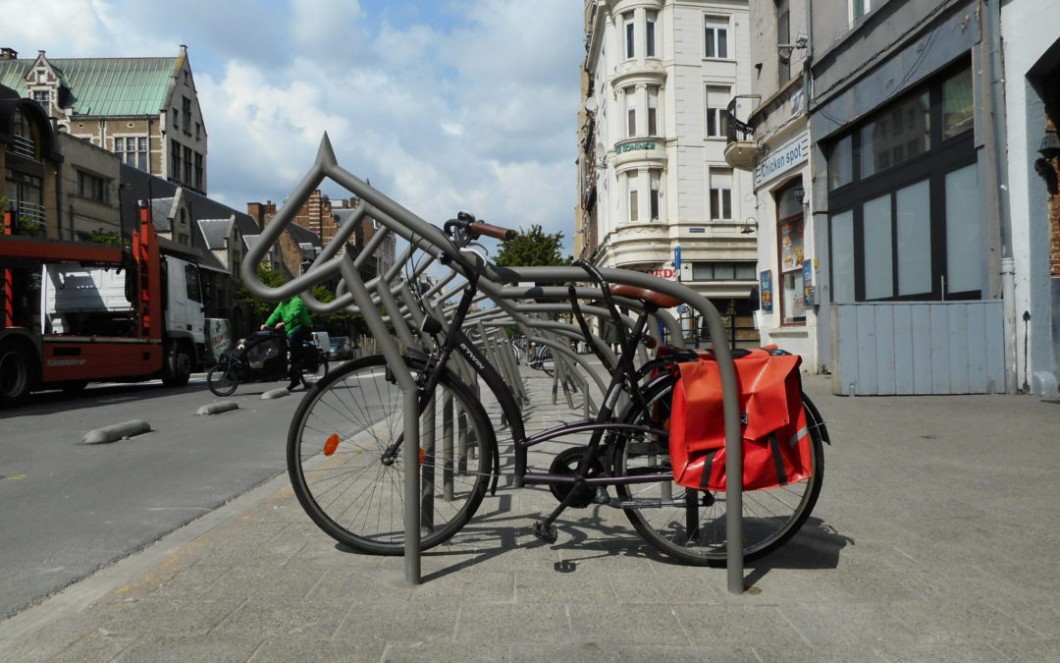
x=174, y=160
x=958, y=110
x=721, y=194
x=724, y=271
x=859, y=8
x=191, y=281
x=717, y=37
x=790, y=229
x=631, y=113
x=634, y=202
x=653, y=109
x=197, y=183
x=906, y=223
x=174, y=119
x=44, y=98
x=187, y=116
x=896, y=135
x=717, y=111
x=649, y=34
x=627, y=21
x=93, y=187
x=188, y=163
x=783, y=37
x=655, y=177
x=132, y=150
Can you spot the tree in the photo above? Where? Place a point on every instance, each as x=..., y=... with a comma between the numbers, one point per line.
x=533, y=248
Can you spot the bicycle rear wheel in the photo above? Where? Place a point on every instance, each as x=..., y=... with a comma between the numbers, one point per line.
x=690, y=525
x=353, y=489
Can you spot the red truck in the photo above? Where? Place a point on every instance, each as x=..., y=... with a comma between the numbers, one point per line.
x=75, y=313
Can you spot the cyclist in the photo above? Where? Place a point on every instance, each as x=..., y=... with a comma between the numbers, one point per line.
x=293, y=315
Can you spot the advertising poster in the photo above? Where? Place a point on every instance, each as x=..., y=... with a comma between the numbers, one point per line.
x=807, y=282
x=766, y=291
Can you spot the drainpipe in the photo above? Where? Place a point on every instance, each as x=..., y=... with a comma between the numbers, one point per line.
x=993, y=68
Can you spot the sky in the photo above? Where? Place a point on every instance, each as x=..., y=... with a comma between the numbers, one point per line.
x=444, y=105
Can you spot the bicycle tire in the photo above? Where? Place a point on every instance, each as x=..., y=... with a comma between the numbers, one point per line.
x=770, y=517
x=322, y=368
x=335, y=458
x=222, y=379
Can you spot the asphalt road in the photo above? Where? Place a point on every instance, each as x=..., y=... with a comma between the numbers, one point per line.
x=68, y=509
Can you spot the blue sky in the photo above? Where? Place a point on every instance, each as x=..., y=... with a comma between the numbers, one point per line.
x=442, y=104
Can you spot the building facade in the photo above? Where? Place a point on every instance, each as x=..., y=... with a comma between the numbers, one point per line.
x=655, y=191
x=146, y=110
x=904, y=237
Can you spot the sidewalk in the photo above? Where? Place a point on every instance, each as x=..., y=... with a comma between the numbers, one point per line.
x=935, y=539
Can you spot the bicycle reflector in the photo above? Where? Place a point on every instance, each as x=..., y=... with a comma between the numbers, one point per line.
x=331, y=444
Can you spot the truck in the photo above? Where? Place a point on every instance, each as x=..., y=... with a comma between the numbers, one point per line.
x=75, y=313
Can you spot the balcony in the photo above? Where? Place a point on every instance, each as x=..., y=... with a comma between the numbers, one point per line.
x=741, y=151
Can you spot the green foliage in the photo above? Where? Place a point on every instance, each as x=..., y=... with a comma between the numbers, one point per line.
x=274, y=278
x=270, y=277
x=107, y=237
x=533, y=248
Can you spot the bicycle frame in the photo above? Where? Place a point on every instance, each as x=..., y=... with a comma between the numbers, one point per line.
x=456, y=339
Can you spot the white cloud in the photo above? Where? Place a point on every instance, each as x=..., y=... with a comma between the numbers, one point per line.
x=475, y=110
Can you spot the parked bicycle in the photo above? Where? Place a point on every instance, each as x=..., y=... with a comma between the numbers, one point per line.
x=263, y=357
x=347, y=451
x=347, y=469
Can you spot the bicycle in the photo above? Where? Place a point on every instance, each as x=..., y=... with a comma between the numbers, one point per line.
x=345, y=440
x=262, y=357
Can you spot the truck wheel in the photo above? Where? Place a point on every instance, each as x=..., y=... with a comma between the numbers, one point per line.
x=178, y=367
x=14, y=374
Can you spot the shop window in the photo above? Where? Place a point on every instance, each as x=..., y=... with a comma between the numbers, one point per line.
x=906, y=221
x=790, y=230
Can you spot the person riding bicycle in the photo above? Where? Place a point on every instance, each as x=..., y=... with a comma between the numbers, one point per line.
x=293, y=315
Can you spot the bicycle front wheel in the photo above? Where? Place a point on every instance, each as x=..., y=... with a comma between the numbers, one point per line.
x=346, y=461
x=690, y=525
x=222, y=378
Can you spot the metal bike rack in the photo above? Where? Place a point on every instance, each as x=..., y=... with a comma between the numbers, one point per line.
x=402, y=222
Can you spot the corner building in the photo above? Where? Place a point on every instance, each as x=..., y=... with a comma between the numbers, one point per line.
x=655, y=192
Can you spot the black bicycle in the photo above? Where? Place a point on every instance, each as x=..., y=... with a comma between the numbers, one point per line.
x=346, y=466
x=263, y=357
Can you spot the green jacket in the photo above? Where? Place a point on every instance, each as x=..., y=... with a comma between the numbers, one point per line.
x=293, y=312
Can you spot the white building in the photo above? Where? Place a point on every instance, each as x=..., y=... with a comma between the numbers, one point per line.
x=656, y=194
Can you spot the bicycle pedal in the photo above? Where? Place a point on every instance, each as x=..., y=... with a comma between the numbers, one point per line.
x=546, y=533
x=601, y=496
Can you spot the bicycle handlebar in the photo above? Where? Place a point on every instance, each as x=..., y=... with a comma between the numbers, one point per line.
x=496, y=232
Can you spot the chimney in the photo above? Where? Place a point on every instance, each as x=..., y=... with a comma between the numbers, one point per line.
x=7, y=53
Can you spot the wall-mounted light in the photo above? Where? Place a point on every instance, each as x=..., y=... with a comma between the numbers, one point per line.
x=1049, y=149
x=749, y=226
x=1050, y=145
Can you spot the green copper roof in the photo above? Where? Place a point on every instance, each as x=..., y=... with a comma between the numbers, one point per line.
x=104, y=86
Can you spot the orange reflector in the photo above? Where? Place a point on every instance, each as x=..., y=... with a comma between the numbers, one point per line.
x=423, y=455
x=331, y=444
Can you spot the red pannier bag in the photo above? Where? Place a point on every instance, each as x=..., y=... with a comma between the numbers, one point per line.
x=777, y=449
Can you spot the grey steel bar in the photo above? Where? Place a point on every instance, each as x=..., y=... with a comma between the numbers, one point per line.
x=408, y=225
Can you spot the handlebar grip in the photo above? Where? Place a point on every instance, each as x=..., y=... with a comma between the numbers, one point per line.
x=496, y=232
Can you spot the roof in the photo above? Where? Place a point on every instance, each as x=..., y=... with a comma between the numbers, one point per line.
x=104, y=86
x=215, y=232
